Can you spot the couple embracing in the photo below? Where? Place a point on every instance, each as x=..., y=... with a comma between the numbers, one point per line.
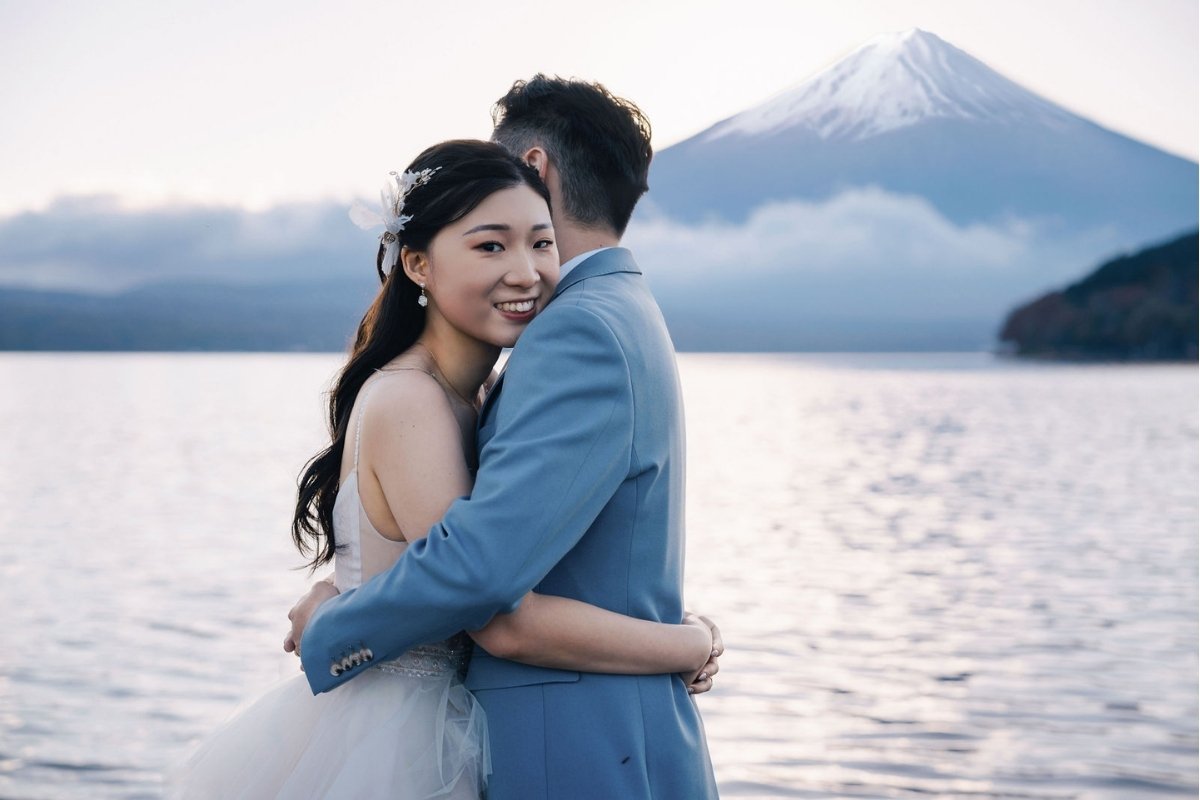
x=526, y=530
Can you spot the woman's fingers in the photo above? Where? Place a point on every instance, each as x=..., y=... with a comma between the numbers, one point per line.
x=718, y=643
x=704, y=680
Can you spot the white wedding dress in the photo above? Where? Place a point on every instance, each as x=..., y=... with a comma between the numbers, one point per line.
x=403, y=730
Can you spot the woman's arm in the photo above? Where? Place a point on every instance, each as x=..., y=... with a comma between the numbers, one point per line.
x=412, y=468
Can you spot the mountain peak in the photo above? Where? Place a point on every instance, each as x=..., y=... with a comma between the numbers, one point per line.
x=913, y=37
x=892, y=81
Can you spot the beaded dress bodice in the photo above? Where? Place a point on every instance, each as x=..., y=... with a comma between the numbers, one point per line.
x=364, y=552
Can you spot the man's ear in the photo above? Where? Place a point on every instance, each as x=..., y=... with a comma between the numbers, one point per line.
x=536, y=157
x=415, y=265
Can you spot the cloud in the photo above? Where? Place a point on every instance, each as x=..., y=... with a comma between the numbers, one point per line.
x=861, y=230
x=92, y=244
x=863, y=251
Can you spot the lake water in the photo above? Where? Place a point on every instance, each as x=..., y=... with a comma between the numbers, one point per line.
x=937, y=576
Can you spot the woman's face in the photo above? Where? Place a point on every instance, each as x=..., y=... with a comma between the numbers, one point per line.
x=492, y=271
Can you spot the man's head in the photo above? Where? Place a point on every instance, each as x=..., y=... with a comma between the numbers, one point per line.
x=597, y=145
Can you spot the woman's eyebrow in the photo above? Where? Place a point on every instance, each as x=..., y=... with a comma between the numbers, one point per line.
x=542, y=226
x=490, y=226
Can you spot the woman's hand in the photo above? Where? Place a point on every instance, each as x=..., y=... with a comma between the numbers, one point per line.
x=700, y=680
x=302, y=612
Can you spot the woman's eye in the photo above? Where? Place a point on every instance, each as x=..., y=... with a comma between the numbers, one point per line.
x=543, y=244
x=491, y=247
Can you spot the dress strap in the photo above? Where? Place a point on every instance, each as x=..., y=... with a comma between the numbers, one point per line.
x=362, y=409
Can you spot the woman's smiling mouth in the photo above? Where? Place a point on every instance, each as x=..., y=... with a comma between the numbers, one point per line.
x=518, y=307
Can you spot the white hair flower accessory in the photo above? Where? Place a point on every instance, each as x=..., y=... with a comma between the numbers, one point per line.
x=391, y=202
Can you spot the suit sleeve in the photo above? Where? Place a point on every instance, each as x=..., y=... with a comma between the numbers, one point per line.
x=561, y=448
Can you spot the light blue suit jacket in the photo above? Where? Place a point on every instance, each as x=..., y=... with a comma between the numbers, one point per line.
x=579, y=493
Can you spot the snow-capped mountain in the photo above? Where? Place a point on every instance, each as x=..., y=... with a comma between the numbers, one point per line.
x=909, y=113
x=893, y=81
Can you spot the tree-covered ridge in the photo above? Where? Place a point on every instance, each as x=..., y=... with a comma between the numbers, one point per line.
x=1141, y=306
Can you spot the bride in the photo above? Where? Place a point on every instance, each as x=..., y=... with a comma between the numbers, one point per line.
x=467, y=260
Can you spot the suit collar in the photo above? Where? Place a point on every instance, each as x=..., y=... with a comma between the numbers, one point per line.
x=614, y=259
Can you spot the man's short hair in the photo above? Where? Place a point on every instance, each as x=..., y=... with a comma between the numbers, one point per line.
x=598, y=143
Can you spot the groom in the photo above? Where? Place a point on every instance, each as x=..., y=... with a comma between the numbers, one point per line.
x=579, y=493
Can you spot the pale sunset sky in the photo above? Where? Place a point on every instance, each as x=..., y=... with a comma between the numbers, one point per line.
x=255, y=103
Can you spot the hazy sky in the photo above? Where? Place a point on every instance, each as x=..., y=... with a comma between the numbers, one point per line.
x=256, y=103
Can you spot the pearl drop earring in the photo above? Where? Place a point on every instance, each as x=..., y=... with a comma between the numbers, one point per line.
x=422, y=301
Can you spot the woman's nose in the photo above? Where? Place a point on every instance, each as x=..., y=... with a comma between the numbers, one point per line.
x=524, y=271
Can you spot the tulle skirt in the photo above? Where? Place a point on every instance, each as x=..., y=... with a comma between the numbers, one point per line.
x=381, y=735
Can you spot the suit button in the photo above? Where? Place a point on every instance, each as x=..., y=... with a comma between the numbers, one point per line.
x=335, y=669
x=356, y=658
x=367, y=654
x=346, y=664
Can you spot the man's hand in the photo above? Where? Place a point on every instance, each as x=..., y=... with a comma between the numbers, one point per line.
x=701, y=681
x=302, y=612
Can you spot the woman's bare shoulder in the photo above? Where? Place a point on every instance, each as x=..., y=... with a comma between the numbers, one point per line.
x=407, y=396
x=412, y=442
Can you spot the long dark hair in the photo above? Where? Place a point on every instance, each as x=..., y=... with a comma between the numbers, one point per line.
x=468, y=172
